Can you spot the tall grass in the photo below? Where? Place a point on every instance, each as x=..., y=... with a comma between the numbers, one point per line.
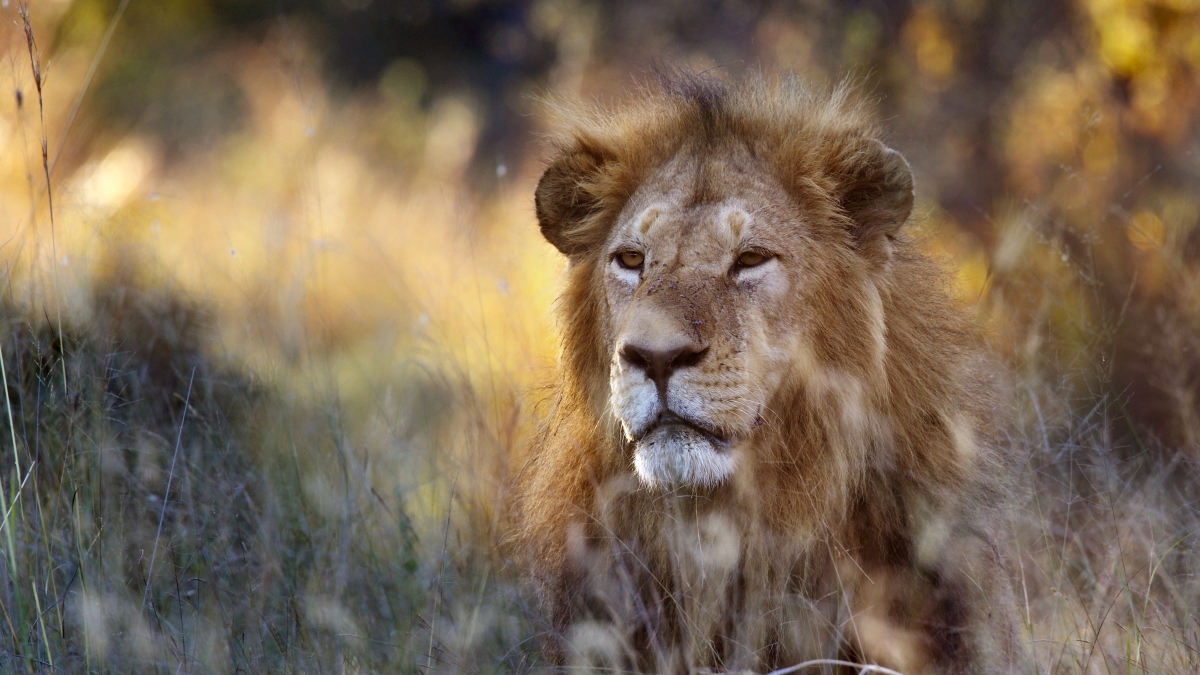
x=223, y=522
x=246, y=522
x=1108, y=552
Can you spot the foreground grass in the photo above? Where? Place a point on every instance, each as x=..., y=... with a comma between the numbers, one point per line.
x=167, y=512
x=170, y=512
x=1109, y=558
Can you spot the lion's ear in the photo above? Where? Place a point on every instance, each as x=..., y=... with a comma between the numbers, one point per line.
x=878, y=194
x=563, y=201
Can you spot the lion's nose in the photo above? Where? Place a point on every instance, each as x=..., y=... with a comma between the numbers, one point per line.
x=661, y=358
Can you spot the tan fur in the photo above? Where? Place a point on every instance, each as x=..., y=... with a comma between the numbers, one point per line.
x=833, y=487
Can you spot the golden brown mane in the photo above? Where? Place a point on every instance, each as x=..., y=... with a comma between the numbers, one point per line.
x=876, y=468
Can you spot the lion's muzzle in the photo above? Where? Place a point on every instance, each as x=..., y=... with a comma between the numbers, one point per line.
x=656, y=397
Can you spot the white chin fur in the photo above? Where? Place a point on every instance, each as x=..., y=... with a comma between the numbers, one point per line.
x=675, y=456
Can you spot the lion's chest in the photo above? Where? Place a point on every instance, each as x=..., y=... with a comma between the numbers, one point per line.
x=684, y=581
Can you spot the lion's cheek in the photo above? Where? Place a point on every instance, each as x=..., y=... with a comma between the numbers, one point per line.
x=773, y=350
x=689, y=401
x=724, y=400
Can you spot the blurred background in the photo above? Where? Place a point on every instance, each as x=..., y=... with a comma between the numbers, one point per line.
x=276, y=321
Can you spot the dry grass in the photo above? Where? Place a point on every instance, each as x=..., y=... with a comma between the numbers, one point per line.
x=1108, y=552
x=224, y=523
x=301, y=531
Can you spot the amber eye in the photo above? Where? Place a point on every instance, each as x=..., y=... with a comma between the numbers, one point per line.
x=631, y=260
x=751, y=259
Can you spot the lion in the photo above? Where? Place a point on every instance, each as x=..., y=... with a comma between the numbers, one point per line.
x=775, y=437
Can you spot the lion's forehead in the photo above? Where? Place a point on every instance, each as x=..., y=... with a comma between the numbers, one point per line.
x=692, y=235
x=701, y=207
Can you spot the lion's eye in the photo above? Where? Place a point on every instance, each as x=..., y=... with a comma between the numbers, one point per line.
x=631, y=260
x=751, y=259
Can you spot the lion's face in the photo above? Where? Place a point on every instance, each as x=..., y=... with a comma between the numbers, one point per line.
x=701, y=299
x=719, y=277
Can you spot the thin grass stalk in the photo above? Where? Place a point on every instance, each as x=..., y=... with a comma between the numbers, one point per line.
x=864, y=668
x=19, y=488
x=83, y=580
x=87, y=82
x=35, y=64
x=42, y=623
x=167, y=493
x=431, y=663
x=12, y=429
x=18, y=630
x=53, y=590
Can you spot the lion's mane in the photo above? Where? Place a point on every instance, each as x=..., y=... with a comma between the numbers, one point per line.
x=879, y=473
